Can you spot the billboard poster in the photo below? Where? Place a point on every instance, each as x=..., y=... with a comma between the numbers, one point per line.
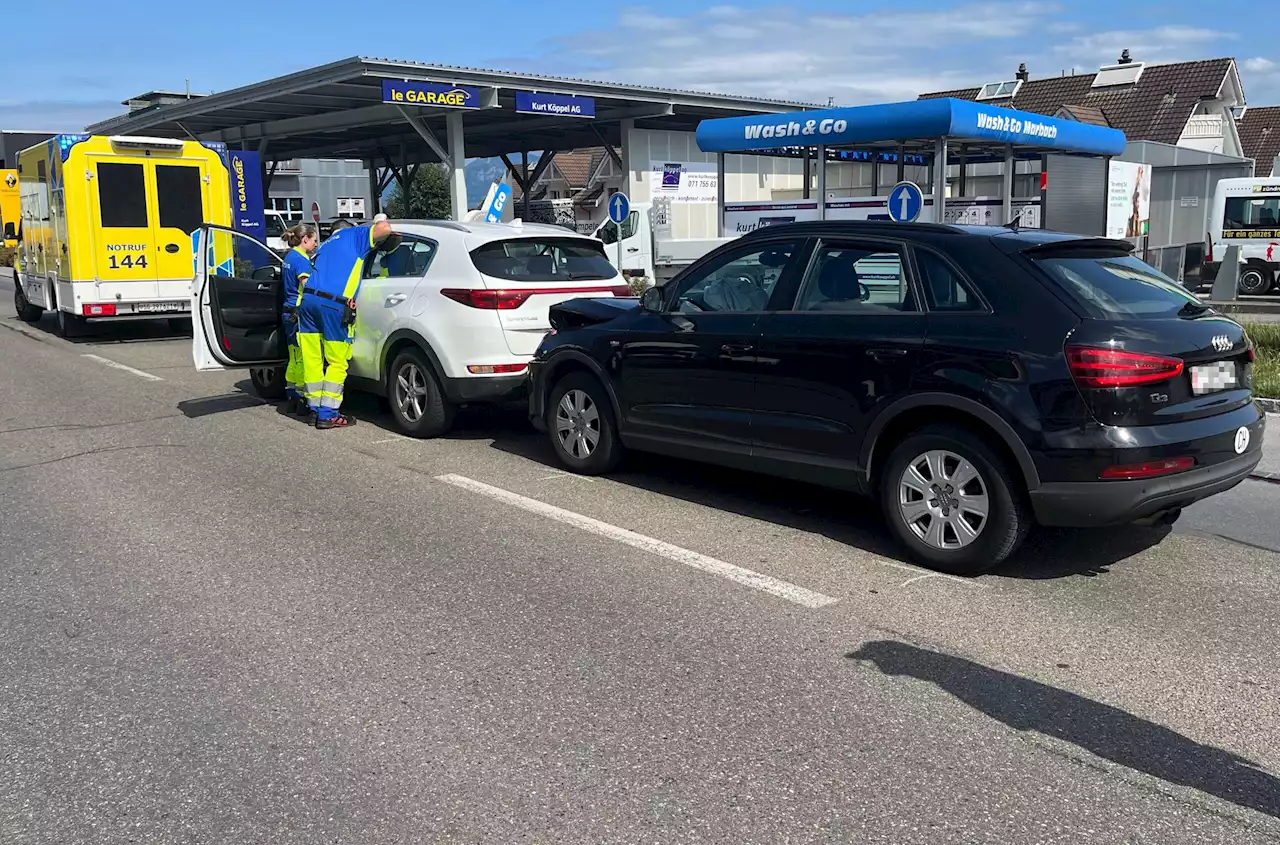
x=684, y=181
x=1128, y=199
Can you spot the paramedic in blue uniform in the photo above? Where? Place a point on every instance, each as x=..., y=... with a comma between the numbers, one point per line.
x=326, y=316
x=302, y=241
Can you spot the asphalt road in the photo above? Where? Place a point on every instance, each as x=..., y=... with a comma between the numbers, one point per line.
x=219, y=625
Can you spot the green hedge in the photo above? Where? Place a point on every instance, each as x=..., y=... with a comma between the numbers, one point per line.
x=1266, y=369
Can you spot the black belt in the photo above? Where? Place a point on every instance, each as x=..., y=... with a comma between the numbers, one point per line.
x=342, y=300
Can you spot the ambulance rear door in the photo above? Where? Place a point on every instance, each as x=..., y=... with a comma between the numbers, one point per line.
x=123, y=238
x=181, y=188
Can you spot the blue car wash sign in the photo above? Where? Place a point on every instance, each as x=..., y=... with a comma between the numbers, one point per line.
x=247, y=213
x=556, y=105
x=430, y=94
x=947, y=117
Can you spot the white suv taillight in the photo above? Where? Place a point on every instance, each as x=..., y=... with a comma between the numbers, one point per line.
x=506, y=300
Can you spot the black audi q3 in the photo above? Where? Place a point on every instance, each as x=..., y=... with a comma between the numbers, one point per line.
x=976, y=380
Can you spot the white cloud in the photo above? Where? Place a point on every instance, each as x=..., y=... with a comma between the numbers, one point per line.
x=877, y=55
x=1260, y=64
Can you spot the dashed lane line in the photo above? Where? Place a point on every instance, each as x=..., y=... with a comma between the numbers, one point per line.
x=755, y=580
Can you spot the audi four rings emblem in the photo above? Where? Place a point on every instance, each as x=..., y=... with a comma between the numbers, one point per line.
x=1222, y=343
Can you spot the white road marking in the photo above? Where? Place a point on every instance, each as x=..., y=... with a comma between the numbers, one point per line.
x=116, y=365
x=911, y=581
x=924, y=573
x=755, y=580
x=388, y=440
x=557, y=475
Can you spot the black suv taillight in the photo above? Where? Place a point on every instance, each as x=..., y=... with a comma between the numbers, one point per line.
x=1094, y=367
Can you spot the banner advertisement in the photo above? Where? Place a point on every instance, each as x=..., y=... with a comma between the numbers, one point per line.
x=247, y=208
x=1128, y=199
x=684, y=181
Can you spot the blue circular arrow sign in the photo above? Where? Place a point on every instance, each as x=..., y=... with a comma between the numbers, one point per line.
x=906, y=201
x=620, y=207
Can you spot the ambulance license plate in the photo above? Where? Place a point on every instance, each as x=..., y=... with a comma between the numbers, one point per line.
x=1210, y=378
x=159, y=307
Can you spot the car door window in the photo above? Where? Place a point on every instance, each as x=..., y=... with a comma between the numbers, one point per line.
x=944, y=288
x=856, y=278
x=411, y=258
x=741, y=282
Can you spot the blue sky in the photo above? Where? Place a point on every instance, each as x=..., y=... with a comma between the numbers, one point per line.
x=872, y=51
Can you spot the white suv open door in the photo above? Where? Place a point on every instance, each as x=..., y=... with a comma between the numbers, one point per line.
x=236, y=301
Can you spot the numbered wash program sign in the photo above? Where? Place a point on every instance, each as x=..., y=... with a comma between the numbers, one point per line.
x=906, y=201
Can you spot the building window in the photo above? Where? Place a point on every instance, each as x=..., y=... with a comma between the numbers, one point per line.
x=290, y=208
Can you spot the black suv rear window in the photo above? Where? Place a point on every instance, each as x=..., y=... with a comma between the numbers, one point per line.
x=543, y=260
x=1114, y=286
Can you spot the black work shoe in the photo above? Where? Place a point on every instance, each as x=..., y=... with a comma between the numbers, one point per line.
x=340, y=421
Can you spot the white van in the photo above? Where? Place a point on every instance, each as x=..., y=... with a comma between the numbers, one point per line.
x=275, y=232
x=1246, y=213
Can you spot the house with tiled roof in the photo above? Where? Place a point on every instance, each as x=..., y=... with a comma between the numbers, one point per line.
x=1259, y=130
x=1185, y=104
x=580, y=180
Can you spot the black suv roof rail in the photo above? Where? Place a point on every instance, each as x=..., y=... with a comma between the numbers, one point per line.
x=879, y=227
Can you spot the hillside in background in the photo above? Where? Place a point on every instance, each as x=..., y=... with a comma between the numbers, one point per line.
x=480, y=175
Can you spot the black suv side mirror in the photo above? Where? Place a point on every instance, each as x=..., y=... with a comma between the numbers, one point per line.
x=651, y=300
x=9, y=233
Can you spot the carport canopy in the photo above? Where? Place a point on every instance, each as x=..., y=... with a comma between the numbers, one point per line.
x=918, y=131
x=396, y=115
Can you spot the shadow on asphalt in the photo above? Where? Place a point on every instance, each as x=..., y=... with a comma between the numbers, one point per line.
x=207, y=405
x=1100, y=729
x=132, y=331
x=841, y=516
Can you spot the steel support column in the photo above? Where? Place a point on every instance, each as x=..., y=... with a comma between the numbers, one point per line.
x=940, y=180
x=457, y=164
x=720, y=180
x=1009, y=163
x=375, y=192
x=822, y=183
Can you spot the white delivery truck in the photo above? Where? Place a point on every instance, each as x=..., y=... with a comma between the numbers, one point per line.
x=1246, y=213
x=275, y=231
x=648, y=249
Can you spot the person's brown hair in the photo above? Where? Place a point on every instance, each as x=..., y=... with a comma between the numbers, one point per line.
x=294, y=234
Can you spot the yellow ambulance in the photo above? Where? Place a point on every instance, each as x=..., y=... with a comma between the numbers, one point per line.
x=9, y=206
x=108, y=226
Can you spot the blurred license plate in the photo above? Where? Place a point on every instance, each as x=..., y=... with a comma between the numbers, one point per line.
x=1208, y=378
x=158, y=307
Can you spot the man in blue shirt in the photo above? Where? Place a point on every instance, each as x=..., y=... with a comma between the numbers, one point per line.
x=326, y=317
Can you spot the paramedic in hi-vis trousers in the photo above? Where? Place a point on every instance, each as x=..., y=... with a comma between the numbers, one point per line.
x=297, y=269
x=327, y=316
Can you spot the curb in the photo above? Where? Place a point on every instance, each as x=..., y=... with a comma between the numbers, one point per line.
x=1271, y=407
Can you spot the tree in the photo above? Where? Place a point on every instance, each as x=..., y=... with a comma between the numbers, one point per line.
x=428, y=196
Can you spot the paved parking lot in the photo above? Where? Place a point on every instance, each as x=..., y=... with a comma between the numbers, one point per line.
x=222, y=625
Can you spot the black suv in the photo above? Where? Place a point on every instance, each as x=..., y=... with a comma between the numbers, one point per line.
x=975, y=379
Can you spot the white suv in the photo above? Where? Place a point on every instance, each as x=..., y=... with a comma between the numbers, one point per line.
x=452, y=316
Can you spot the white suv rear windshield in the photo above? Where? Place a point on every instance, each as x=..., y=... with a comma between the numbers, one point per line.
x=543, y=260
